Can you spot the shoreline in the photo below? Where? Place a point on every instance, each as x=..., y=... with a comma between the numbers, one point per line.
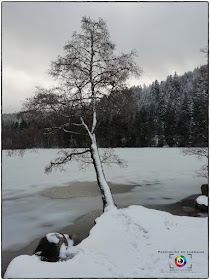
x=81, y=227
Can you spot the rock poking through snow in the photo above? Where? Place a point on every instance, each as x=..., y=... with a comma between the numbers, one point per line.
x=54, y=237
x=53, y=247
x=205, y=189
x=202, y=203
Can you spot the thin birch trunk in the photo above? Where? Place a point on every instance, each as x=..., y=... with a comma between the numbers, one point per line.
x=108, y=202
x=106, y=194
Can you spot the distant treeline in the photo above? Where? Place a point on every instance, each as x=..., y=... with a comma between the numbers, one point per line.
x=171, y=113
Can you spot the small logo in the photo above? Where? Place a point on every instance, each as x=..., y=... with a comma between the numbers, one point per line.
x=180, y=261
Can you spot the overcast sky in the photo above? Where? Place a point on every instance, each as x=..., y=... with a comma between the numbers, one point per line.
x=167, y=37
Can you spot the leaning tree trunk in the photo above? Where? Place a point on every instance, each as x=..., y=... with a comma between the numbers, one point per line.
x=107, y=198
x=108, y=202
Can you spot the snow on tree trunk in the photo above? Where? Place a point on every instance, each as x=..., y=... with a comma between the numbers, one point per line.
x=108, y=202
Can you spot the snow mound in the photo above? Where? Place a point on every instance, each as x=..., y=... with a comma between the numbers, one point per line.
x=202, y=200
x=67, y=252
x=54, y=237
x=134, y=242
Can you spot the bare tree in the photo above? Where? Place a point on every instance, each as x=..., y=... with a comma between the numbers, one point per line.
x=201, y=153
x=205, y=50
x=88, y=70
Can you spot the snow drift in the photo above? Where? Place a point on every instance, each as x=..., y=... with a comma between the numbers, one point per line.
x=133, y=242
x=202, y=200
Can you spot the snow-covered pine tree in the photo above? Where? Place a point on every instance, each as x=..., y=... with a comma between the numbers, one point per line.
x=200, y=108
x=184, y=124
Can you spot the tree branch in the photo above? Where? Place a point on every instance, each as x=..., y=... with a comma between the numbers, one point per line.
x=62, y=160
x=86, y=127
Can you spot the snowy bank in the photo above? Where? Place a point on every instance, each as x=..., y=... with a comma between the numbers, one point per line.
x=202, y=200
x=134, y=242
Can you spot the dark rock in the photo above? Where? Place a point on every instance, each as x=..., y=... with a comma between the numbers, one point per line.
x=49, y=247
x=189, y=201
x=205, y=189
x=202, y=208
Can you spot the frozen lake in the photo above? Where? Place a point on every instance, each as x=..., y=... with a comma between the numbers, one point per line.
x=34, y=203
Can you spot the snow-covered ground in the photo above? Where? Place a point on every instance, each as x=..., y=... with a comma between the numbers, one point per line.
x=135, y=242
x=161, y=175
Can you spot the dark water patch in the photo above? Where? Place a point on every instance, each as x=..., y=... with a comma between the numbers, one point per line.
x=184, y=207
x=17, y=197
x=47, y=225
x=152, y=183
x=157, y=182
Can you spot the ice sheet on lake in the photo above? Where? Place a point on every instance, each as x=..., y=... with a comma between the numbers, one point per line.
x=161, y=176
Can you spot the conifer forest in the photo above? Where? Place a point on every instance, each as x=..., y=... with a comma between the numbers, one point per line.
x=170, y=113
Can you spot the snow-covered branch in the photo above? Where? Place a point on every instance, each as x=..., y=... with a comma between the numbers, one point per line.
x=86, y=127
x=60, y=161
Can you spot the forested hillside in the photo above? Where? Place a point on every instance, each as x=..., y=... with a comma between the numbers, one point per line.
x=170, y=113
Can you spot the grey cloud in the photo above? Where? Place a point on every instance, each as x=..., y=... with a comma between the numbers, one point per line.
x=166, y=35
